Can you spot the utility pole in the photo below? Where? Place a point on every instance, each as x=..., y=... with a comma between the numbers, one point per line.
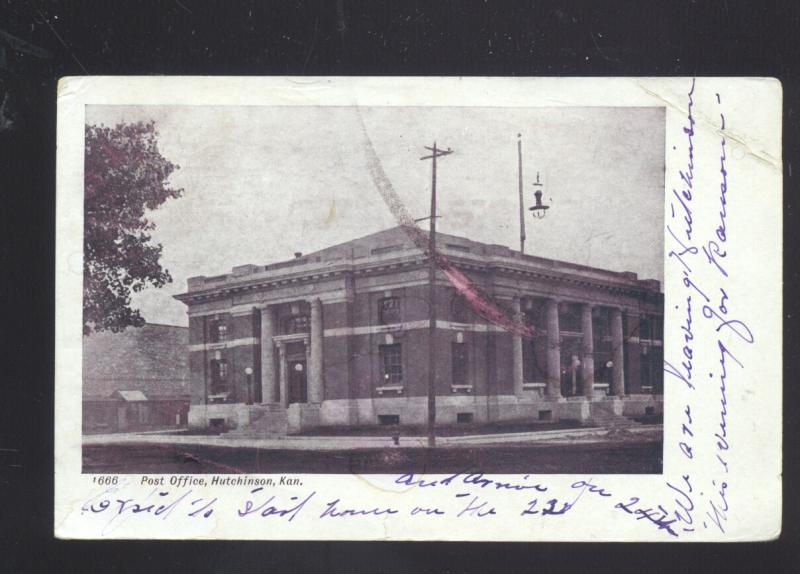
x=521, y=201
x=435, y=153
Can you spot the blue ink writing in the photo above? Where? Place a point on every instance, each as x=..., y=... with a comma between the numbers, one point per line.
x=270, y=507
x=333, y=510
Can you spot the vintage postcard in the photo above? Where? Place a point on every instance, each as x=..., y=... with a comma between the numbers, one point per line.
x=482, y=309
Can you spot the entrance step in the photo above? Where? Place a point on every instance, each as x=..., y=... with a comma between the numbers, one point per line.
x=606, y=413
x=616, y=421
x=266, y=421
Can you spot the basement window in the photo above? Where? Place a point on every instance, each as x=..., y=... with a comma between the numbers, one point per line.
x=545, y=415
x=464, y=418
x=388, y=420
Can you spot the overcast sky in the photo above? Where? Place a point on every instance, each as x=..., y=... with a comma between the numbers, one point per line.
x=263, y=182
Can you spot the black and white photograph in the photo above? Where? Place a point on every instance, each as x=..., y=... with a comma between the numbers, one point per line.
x=365, y=289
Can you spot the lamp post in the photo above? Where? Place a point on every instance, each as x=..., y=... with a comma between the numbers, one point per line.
x=248, y=371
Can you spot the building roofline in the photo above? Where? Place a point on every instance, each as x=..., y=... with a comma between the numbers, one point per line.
x=310, y=266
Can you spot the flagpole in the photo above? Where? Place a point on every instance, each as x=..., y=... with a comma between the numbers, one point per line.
x=521, y=200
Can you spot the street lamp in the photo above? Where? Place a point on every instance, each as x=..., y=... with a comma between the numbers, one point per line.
x=248, y=371
x=539, y=210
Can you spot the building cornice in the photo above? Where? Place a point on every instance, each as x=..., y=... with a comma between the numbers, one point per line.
x=502, y=267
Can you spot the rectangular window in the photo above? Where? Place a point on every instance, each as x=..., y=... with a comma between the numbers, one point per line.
x=219, y=376
x=535, y=314
x=391, y=365
x=657, y=369
x=651, y=363
x=645, y=331
x=459, y=309
x=601, y=326
x=296, y=324
x=218, y=332
x=658, y=328
x=534, y=358
x=460, y=363
x=569, y=318
x=603, y=345
x=651, y=328
x=389, y=310
x=644, y=365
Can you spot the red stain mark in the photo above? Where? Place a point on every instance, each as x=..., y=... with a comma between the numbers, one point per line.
x=479, y=301
x=481, y=304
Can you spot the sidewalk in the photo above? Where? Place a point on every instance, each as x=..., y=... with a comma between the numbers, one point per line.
x=643, y=434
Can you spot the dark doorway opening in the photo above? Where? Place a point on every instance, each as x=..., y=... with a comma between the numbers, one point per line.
x=298, y=391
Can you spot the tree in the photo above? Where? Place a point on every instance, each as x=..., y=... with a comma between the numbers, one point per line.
x=124, y=176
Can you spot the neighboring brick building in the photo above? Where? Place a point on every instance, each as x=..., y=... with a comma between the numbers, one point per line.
x=136, y=379
x=340, y=337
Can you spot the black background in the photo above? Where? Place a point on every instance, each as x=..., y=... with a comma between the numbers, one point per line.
x=42, y=41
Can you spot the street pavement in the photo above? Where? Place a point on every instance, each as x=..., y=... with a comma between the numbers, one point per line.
x=640, y=434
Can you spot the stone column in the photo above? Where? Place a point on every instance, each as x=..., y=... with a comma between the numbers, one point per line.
x=517, y=352
x=587, y=361
x=284, y=379
x=553, y=351
x=618, y=380
x=268, y=380
x=315, y=388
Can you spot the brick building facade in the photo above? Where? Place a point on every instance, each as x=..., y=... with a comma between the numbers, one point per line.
x=340, y=337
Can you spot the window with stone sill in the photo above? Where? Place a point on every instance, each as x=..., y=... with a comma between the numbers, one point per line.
x=645, y=331
x=601, y=324
x=460, y=363
x=651, y=365
x=569, y=318
x=391, y=365
x=534, y=358
x=296, y=324
x=218, y=331
x=219, y=376
x=535, y=315
x=651, y=328
x=459, y=309
x=389, y=310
